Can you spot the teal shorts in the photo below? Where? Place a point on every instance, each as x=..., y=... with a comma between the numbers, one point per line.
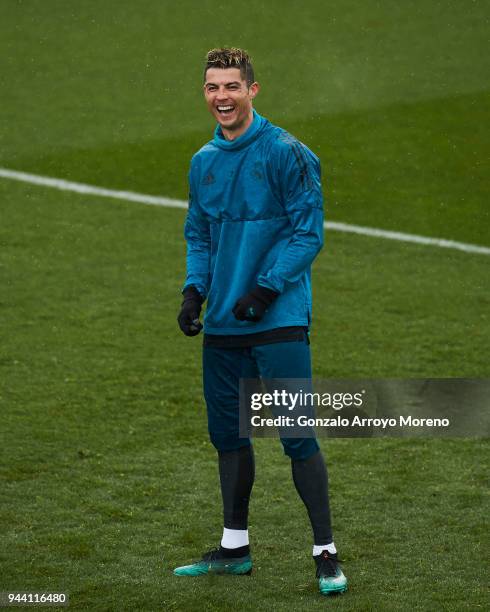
x=222, y=370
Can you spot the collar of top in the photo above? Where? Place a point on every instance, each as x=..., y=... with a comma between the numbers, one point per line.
x=244, y=140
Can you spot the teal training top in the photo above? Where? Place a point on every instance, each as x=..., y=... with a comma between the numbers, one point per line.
x=255, y=217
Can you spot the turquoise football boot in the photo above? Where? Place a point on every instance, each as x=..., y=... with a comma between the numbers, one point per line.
x=331, y=578
x=213, y=562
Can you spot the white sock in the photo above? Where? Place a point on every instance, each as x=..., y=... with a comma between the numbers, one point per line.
x=234, y=538
x=317, y=548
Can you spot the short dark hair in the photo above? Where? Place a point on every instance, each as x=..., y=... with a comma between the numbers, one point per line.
x=231, y=57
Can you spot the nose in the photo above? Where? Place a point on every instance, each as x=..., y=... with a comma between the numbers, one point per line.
x=221, y=94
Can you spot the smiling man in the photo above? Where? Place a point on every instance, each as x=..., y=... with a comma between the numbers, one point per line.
x=254, y=226
x=230, y=101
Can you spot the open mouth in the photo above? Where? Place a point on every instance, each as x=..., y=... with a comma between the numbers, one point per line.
x=225, y=110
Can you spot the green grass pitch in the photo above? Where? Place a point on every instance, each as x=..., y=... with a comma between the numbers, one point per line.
x=107, y=477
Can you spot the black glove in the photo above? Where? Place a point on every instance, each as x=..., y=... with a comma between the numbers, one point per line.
x=191, y=309
x=253, y=306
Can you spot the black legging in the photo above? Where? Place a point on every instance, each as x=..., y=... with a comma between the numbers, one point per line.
x=237, y=473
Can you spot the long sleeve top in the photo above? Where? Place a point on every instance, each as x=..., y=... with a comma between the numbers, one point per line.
x=255, y=217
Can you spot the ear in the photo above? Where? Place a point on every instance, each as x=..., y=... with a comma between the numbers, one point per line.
x=253, y=90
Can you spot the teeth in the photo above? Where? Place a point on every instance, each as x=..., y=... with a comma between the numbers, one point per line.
x=224, y=108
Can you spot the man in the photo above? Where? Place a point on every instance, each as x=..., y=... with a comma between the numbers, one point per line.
x=254, y=225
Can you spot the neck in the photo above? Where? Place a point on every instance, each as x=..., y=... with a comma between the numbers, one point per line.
x=234, y=134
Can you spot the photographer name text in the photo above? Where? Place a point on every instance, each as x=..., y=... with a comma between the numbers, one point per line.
x=356, y=421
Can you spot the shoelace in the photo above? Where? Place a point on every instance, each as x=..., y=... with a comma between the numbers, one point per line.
x=211, y=555
x=327, y=566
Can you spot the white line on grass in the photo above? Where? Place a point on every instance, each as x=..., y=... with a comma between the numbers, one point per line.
x=379, y=233
x=63, y=185
x=173, y=203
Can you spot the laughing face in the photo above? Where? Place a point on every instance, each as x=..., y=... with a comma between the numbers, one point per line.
x=229, y=100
